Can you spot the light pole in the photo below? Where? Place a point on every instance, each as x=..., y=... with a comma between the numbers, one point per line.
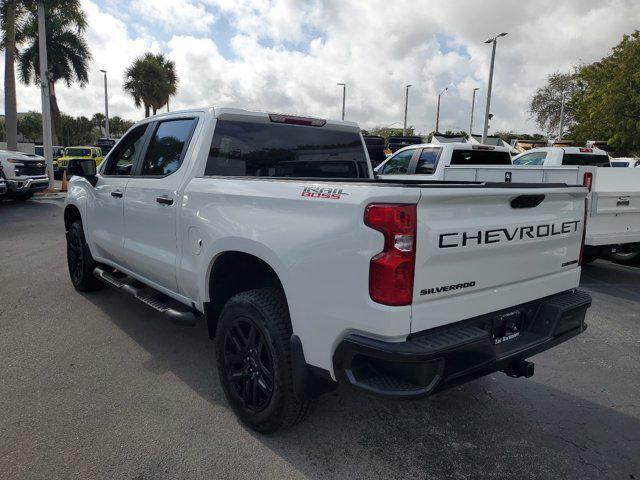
x=473, y=105
x=485, y=130
x=438, y=110
x=344, y=95
x=406, y=107
x=561, y=117
x=47, y=141
x=106, y=106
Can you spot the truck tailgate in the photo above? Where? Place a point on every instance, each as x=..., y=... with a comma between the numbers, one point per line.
x=480, y=250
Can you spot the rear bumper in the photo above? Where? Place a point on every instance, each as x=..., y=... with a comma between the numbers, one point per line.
x=447, y=356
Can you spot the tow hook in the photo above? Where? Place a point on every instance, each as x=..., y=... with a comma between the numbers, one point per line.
x=520, y=368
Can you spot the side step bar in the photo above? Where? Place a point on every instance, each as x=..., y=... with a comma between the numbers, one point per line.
x=154, y=300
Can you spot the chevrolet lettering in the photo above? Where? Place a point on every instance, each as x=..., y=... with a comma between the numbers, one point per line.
x=497, y=235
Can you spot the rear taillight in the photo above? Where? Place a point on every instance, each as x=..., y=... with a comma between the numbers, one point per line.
x=587, y=181
x=391, y=271
x=586, y=150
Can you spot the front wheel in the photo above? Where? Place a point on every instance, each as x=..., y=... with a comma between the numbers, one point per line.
x=254, y=360
x=80, y=261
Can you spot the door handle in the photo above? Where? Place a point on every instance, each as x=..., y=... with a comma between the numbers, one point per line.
x=165, y=200
x=116, y=193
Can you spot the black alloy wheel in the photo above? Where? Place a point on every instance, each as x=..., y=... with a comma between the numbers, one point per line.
x=249, y=364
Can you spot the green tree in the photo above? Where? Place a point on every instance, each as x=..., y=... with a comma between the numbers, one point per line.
x=546, y=103
x=30, y=126
x=119, y=126
x=11, y=12
x=151, y=80
x=68, y=52
x=608, y=104
x=508, y=136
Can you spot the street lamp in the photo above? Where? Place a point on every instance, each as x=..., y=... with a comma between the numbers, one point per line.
x=561, y=117
x=486, y=112
x=106, y=106
x=47, y=140
x=344, y=95
x=438, y=110
x=406, y=106
x=473, y=105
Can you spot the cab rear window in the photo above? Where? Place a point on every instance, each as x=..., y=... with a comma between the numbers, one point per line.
x=249, y=149
x=585, y=159
x=480, y=157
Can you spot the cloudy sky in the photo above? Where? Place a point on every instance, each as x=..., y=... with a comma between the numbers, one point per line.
x=288, y=55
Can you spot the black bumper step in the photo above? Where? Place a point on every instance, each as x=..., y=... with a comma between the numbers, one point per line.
x=156, y=300
x=452, y=354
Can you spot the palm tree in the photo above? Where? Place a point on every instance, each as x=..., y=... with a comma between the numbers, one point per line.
x=151, y=80
x=10, y=12
x=68, y=53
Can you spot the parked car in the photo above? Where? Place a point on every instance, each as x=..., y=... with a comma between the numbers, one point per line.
x=375, y=149
x=105, y=145
x=625, y=162
x=396, y=143
x=397, y=288
x=3, y=185
x=429, y=160
x=24, y=174
x=94, y=153
x=563, y=156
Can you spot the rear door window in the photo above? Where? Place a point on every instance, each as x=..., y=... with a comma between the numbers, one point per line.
x=428, y=161
x=251, y=149
x=581, y=159
x=480, y=157
x=398, y=164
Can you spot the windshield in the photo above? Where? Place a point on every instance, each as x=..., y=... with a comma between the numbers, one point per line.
x=580, y=159
x=276, y=150
x=78, y=152
x=480, y=157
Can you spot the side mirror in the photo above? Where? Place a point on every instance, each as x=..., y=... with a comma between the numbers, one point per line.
x=83, y=167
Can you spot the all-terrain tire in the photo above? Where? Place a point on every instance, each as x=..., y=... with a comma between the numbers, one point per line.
x=80, y=261
x=253, y=354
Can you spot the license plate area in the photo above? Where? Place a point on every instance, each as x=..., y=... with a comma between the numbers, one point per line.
x=507, y=327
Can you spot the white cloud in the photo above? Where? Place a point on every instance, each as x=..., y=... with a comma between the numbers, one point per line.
x=175, y=15
x=288, y=55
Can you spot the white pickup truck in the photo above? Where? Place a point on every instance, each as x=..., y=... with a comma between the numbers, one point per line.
x=308, y=270
x=24, y=174
x=613, y=227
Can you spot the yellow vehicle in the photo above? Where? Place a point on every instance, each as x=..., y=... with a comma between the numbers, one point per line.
x=77, y=152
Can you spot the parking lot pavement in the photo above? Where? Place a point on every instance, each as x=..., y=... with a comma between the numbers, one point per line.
x=99, y=386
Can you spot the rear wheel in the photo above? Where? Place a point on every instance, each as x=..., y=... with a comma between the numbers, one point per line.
x=254, y=360
x=626, y=258
x=80, y=261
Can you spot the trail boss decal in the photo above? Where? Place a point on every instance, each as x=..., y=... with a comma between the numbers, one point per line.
x=509, y=234
x=323, y=192
x=447, y=288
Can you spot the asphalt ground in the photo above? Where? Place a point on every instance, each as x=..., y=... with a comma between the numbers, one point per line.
x=100, y=386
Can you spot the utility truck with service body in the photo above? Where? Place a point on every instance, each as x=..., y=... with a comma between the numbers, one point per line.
x=309, y=271
x=613, y=226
